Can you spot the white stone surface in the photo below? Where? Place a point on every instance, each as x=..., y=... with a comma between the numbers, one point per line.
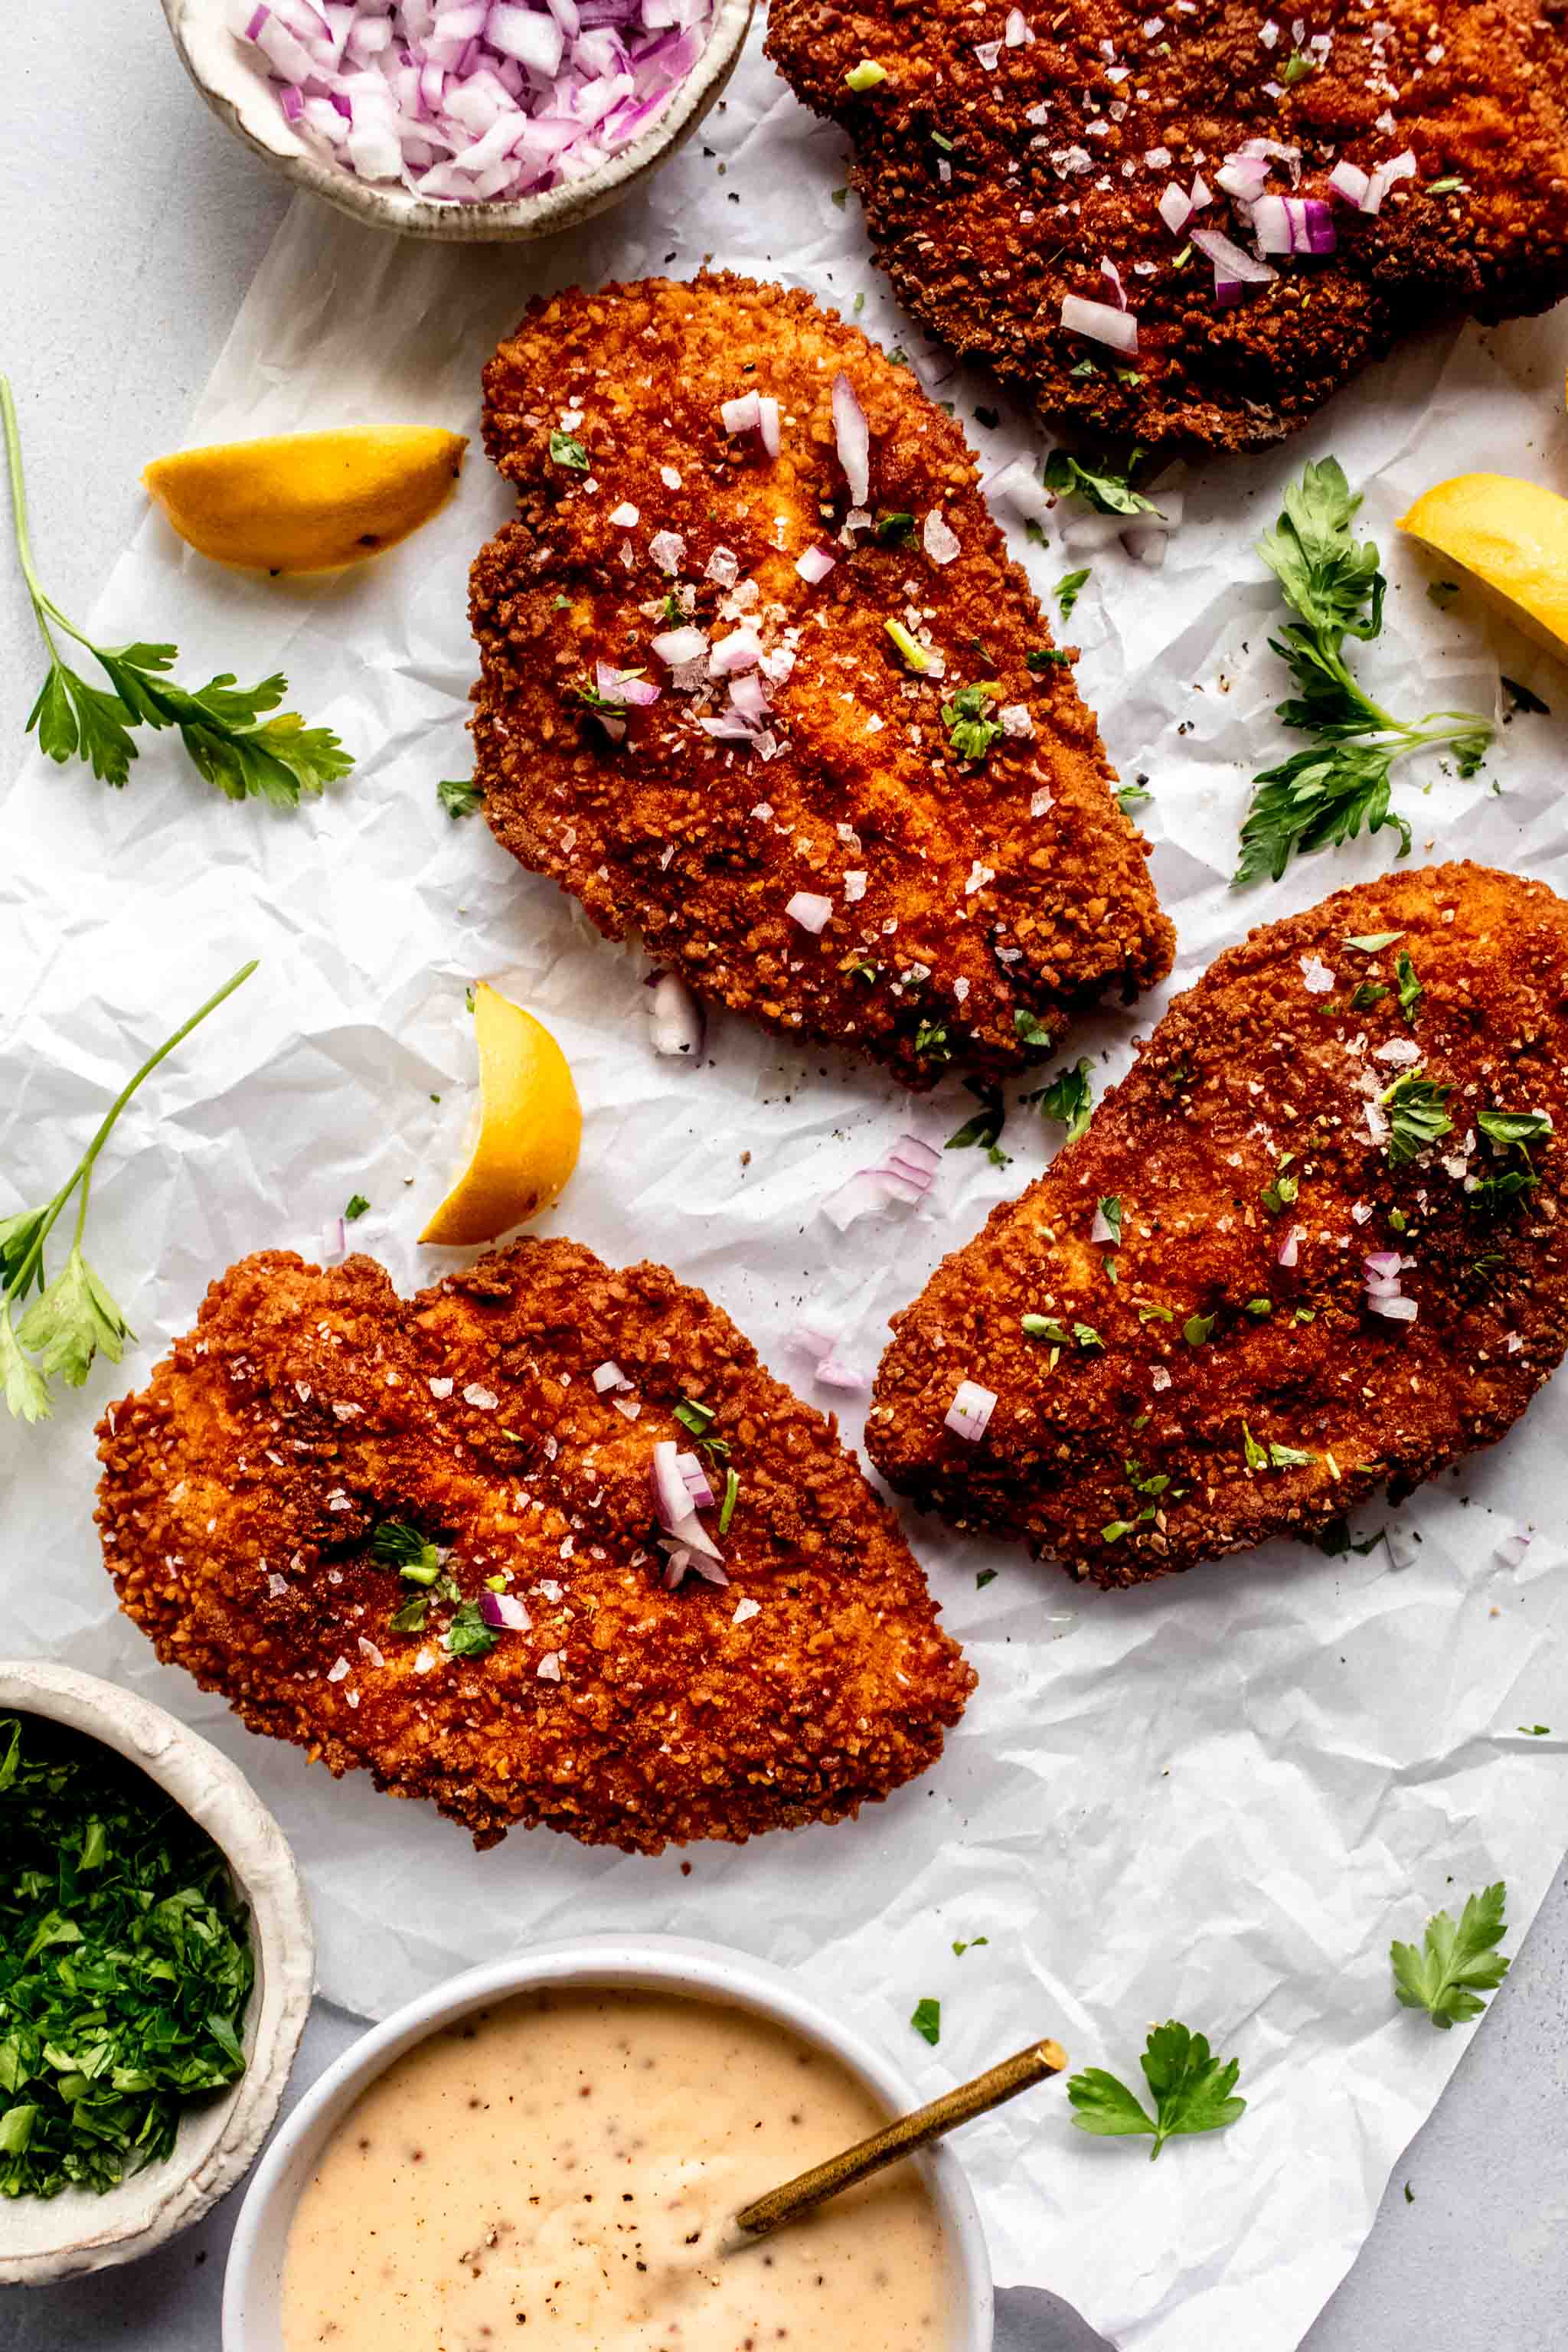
x=132, y=225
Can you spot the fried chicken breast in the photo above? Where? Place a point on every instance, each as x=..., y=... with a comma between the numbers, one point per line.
x=1330, y=1190
x=1008, y=157
x=317, y=1493
x=865, y=808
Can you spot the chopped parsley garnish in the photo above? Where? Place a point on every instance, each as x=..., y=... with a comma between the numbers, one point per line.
x=890, y=527
x=1530, y=1731
x=909, y=647
x=1042, y=1327
x=1103, y=486
x=1068, y=589
x=468, y=1636
x=459, y=796
x=931, y=1039
x=1041, y=657
x=1031, y=1031
x=970, y=730
x=974, y=1942
x=1069, y=1099
x=693, y=1416
x=1148, y=1312
x=567, y=452
x=1368, y=993
x=1131, y=796
x=1272, y=1456
x=1415, y=1115
x=1410, y=989
x=125, y=1964
x=397, y=1544
x=1087, y=1336
x=1296, y=69
x=1326, y=792
x=1198, y=1328
x=1514, y=1130
x=410, y=1618
x=1281, y=1188
x=937, y=140
x=1335, y=1540
x=986, y=1576
x=985, y=1128
x=1111, y=1209
x=732, y=1497
x=1373, y=942
x=1192, y=2092
x=358, y=1206
x=1453, y=186
x=866, y=75
x=1258, y=1307
x=927, y=2020
x=1455, y=1965
x=1114, y=1529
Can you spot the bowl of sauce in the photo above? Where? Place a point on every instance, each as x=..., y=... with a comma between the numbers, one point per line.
x=547, y=2153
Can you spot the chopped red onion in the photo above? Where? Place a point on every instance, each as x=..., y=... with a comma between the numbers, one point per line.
x=696, y=1477
x=906, y=1175
x=1244, y=181
x=748, y=696
x=744, y=415
x=673, y=1505
x=814, y=565
x=768, y=424
x=335, y=1242
x=1233, y=269
x=1018, y=486
x=832, y=1374
x=1102, y=1230
x=623, y=687
x=1016, y=31
x=1175, y=208
x=938, y=539
x=609, y=1375
x=1290, y=1248
x=970, y=1412
x=1402, y=167
x=1398, y=1309
x=741, y=649
x=1294, y=224
x=853, y=436
x=505, y=1612
x=1350, y=183
x=1146, y=547
x=675, y=648
x=485, y=101
x=1101, y=323
x=809, y=909
x=677, y=1021
x=1109, y=269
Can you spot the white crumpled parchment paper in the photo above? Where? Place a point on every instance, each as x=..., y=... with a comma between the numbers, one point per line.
x=1216, y=1799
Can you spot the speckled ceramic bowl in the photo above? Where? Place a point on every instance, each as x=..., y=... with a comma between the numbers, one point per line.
x=236, y=87
x=253, y=2284
x=50, y=2238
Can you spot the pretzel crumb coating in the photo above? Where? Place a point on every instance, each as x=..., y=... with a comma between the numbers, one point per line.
x=947, y=905
x=243, y=1488
x=1009, y=153
x=1322, y=1269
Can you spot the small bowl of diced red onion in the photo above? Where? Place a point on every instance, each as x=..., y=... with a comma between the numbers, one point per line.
x=467, y=120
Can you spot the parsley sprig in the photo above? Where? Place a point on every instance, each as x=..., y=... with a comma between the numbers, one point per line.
x=1455, y=1965
x=1192, y=2092
x=73, y=1318
x=1104, y=485
x=1328, y=791
x=222, y=724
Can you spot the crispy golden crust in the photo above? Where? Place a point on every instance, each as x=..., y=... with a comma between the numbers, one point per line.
x=974, y=909
x=1050, y=175
x=1245, y=1067
x=241, y=1487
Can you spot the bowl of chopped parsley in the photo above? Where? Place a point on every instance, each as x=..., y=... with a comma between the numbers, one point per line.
x=156, y=1963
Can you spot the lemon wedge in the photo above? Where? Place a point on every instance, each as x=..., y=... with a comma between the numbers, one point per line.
x=530, y=1128
x=1513, y=537
x=306, y=502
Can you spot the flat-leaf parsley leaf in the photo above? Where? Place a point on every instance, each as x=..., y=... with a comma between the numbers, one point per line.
x=1192, y=2092
x=1455, y=1965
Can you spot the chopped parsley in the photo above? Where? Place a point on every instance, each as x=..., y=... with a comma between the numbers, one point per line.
x=1296, y=69
x=1032, y=1032
x=1043, y=1327
x=1070, y=587
x=985, y=1128
x=695, y=1417
x=1373, y=942
x=1514, y=1130
x=890, y=527
x=866, y=75
x=1281, y=1188
x=1103, y=486
x=1131, y=796
x=927, y=2020
x=1198, y=1328
x=732, y=1497
x=1041, y=657
x=1192, y=2092
x=410, y=1618
x=974, y=1942
x=1453, y=186
x=932, y=1039
x=909, y=647
x=1069, y=1099
x=1410, y=989
x=1368, y=993
x=358, y=1206
x=1258, y=1307
x=397, y=1544
x=986, y=1576
x=459, y=796
x=1087, y=1336
x=1111, y=1209
x=468, y=1636
x=1114, y=1529
x=1272, y=1456
x=125, y=1964
x=971, y=730
x=1415, y=1115
x=1148, y=1312
x=564, y=451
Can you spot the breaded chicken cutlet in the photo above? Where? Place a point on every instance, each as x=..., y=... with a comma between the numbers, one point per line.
x=1008, y=157
x=1330, y=1188
x=325, y=1489
x=867, y=807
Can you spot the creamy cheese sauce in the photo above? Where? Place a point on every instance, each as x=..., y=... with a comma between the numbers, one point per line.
x=558, y=2170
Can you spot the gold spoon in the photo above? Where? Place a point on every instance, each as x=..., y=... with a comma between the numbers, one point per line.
x=901, y=2138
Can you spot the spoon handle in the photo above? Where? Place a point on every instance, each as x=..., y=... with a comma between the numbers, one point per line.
x=900, y=2138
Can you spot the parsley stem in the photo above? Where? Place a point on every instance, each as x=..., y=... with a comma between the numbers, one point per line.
x=82, y=1172
x=19, y=508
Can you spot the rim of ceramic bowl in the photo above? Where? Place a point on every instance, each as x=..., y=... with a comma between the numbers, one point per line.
x=252, y=2284
x=516, y=219
x=56, y=2237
